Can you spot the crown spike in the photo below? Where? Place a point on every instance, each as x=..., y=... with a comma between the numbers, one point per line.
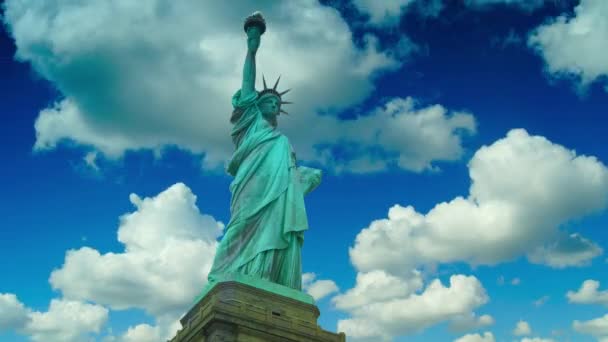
x=264, y=80
x=277, y=83
x=284, y=112
x=285, y=92
x=286, y=102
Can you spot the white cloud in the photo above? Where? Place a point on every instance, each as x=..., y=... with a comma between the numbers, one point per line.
x=90, y=160
x=142, y=333
x=567, y=250
x=470, y=322
x=382, y=12
x=164, y=231
x=523, y=189
x=588, y=294
x=536, y=339
x=515, y=281
x=168, y=80
x=388, y=317
x=378, y=286
x=394, y=134
x=318, y=289
x=597, y=327
x=573, y=46
x=13, y=314
x=65, y=320
x=522, y=328
x=487, y=337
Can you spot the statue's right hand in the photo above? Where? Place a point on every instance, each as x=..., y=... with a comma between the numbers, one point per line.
x=253, y=39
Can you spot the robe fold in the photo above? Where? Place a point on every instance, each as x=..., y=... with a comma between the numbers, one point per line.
x=268, y=218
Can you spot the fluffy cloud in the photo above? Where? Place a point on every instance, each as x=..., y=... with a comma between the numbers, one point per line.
x=522, y=328
x=568, y=250
x=536, y=339
x=385, y=317
x=13, y=314
x=588, y=294
x=377, y=286
x=318, y=289
x=487, y=337
x=470, y=322
x=383, y=12
x=164, y=231
x=65, y=320
x=523, y=189
x=147, y=75
x=572, y=46
x=142, y=333
x=392, y=136
x=596, y=327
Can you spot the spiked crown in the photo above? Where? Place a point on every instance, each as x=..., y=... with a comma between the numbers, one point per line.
x=274, y=92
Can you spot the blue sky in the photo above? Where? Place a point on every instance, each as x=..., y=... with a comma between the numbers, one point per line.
x=463, y=147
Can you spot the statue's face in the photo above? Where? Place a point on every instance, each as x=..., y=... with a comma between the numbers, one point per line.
x=270, y=105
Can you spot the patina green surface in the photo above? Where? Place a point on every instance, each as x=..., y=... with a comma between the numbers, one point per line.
x=268, y=218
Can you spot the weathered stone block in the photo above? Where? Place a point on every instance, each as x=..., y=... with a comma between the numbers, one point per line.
x=233, y=311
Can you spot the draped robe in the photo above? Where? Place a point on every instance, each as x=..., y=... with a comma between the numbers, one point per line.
x=268, y=218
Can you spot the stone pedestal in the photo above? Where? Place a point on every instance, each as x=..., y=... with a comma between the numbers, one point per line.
x=234, y=311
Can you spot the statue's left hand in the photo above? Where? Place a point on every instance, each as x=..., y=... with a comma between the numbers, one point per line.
x=309, y=178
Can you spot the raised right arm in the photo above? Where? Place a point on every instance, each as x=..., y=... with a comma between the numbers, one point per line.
x=253, y=42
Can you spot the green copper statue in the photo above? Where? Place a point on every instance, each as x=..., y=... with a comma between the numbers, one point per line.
x=266, y=230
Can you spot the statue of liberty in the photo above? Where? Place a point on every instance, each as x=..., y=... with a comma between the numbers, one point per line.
x=268, y=218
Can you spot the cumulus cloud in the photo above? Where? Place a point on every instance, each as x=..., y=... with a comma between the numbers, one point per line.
x=168, y=80
x=522, y=328
x=386, y=317
x=142, y=333
x=572, y=46
x=164, y=231
x=486, y=337
x=320, y=288
x=588, y=294
x=568, y=250
x=597, y=327
x=65, y=320
x=399, y=133
x=536, y=339
x=523, y=189
x=383, y=12
x=13, y=314
x=470, y=322
x=377, y=286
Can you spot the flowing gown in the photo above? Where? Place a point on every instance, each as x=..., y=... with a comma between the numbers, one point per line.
x=268, y=218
